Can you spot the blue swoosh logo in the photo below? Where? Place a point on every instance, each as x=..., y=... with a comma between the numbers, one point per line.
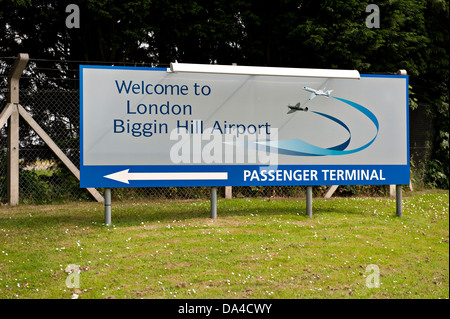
x=298, y=147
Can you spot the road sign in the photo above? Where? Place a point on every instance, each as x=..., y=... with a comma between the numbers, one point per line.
x=150, y=127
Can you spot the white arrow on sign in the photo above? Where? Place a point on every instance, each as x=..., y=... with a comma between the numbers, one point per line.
x=125, y=176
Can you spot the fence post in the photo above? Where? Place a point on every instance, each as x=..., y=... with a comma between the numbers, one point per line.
x=58, y=152
x=331, y=191
x=13, y=158
x=11, y=114
x=13, y=127
x=228, y=192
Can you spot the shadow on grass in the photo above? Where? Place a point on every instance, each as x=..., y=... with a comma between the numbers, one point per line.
x=126, y=214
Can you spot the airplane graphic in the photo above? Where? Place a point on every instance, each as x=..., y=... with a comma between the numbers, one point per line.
x=296, y=108
x=314, y=93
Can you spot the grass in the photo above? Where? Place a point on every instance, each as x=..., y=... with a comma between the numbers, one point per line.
x=256, y=248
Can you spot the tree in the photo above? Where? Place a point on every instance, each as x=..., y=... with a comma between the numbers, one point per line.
x=413, y=35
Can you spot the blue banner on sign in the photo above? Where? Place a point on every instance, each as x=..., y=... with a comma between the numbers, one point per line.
x=242, y=175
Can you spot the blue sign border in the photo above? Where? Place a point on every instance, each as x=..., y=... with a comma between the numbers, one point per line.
x=256, y=175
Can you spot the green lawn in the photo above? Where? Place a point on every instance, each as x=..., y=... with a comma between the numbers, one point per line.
x=256, y=248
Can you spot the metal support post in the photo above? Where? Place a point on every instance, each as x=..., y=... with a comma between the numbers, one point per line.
x=213, y=202
x=399, y=200
x=309, y=201
x=107, y=206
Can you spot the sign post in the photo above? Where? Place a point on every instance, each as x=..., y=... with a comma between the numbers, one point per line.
x=399, y=200
x=309, y=201
x=107, y=206
x=213, y=202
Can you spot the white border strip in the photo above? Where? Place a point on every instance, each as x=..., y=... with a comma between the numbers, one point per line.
x=267, y=71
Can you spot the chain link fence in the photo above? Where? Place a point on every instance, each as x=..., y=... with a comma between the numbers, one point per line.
x=43, y=178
